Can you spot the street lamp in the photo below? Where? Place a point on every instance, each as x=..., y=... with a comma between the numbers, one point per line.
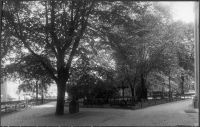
x=182, y=83
x=25, y=94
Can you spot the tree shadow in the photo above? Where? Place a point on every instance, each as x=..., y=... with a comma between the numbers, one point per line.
x=81, y=114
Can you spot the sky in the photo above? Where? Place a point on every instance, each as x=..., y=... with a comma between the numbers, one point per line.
x=184, y=11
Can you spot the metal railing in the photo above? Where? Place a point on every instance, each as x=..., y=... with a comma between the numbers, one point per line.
x=132, y=104
x=16, y=105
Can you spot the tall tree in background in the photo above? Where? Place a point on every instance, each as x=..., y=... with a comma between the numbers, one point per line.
x=31, y=73
x=138, y=41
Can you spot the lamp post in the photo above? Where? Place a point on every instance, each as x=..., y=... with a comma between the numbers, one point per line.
x=169, y=86
x=182, y=83
x=25, y=99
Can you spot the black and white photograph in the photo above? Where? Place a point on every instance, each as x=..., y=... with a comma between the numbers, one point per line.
x=99, y=63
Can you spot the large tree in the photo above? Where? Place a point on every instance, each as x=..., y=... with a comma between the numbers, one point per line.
x=138, y=41
x=51, y=31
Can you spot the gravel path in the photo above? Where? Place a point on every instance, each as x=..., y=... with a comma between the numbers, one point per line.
x=169, y=114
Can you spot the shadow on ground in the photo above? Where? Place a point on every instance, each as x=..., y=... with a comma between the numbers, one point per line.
x=10, y=112
x=81, y=114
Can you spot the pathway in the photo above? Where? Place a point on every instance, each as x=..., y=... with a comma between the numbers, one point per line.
x=169, y=114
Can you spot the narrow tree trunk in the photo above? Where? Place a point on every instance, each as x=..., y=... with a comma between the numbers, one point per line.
x=169, y=87
x=134, y=99
x=132, y=87
x=143, y=88
x=132, y=91
x=182, y=84
x=139, y=93
x=36, y=92
x=60, y=98
x=42, y=99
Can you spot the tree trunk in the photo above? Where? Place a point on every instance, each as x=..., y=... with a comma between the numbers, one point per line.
x=132, y=90
x=169, y=87
x=42, y=99
x=143, y=88
x=138, y=93
x=60, y=98
x=132, y=87
x=182, y=84
x=36, y=92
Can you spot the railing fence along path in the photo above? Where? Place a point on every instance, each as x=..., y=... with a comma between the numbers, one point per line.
x=16, y=105
x=116, y=103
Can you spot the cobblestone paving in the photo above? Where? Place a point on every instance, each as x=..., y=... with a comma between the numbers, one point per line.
x=170, y=114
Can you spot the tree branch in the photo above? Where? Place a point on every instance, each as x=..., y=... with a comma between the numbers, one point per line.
x=72, y=11
x=70, y=34
x=47, y=66
x=76, y=43
x=52, y=31
x=49, y=70
x=50, y=45
x=89, y=11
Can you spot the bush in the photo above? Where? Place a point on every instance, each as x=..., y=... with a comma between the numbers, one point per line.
x=91, y=87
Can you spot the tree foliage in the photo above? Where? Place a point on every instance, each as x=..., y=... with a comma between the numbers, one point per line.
x=95, y=45
x=91, y=87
